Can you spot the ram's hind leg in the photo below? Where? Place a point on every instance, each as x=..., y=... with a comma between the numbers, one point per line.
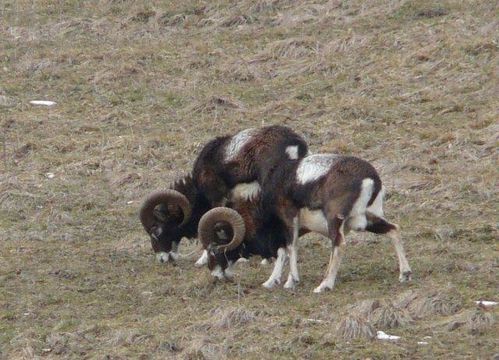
x=378, y=225
x=335, y=228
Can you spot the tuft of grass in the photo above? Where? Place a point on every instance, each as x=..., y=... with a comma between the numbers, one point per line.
x=232, y=317
x=480, y=321
x=354, y=327
x=438, y=303
x=390, y=316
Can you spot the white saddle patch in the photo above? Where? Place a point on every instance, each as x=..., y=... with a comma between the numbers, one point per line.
x=314, y=220
x=314, y=167
x=292, y=152
x=237, y=142
x=246, y=191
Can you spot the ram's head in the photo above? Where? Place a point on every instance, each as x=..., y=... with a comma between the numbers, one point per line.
x=221, y=231
x=164, y=215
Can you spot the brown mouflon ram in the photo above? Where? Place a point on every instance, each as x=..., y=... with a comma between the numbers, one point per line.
x=324, y=193
x=227, y=167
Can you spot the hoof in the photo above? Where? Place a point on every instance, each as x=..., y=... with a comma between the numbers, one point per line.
x=162, y=257
x=405, y=276
x=321, y=288
x=269, y=284
x=291, y=283
x=265, y=262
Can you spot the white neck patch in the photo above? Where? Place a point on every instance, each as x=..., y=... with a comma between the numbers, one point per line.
x=246, y=191
x=237, y=142
x=315, y=166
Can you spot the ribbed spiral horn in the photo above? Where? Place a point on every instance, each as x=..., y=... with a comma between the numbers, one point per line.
x=163, y=197
x=207, y=223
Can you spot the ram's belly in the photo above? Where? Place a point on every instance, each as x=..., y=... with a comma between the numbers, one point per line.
x=313, y=220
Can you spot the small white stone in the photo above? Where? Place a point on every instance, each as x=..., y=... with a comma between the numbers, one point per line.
x=381, y=335
x=486, y=303
x=42, y=102
x=422, y=343
x=129, y=202
x=50, y=175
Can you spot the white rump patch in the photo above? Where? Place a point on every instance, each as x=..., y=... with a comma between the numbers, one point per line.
x=357, y=216
x=292, y=152
x=246, y=191
x=314, y=167
x=314, y=220
x=376, y=207
x=237, y=142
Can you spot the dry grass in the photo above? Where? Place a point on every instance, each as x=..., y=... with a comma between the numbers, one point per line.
x=140, y=86
x=390, y=316
x=353, y=327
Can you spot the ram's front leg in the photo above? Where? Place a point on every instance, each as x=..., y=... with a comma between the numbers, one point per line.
x=275, y=277
x=293, y=277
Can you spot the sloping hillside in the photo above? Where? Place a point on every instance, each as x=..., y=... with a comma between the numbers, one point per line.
x=409, y=85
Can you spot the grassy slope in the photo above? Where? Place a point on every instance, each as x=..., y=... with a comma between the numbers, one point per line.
x=410, y=86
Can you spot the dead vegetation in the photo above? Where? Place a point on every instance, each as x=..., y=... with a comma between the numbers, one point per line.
x=140, y=86
x=353, y=327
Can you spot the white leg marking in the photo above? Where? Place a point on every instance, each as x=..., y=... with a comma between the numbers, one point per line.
x=246, y=191
x=275, y=277
x=315, y=166
x=357, y=215
x=237, y=142
x=292, y=152
x=203, y=260
x=229, y=272
x=162, y=257
x=218, y=273
x=334, y=265
x=405, y=269
x=293, y=276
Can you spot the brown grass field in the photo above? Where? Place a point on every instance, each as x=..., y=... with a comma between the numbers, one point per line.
x=141, y=86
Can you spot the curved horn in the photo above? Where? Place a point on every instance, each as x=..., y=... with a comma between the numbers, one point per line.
x=208, y=221
x=163, y=197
